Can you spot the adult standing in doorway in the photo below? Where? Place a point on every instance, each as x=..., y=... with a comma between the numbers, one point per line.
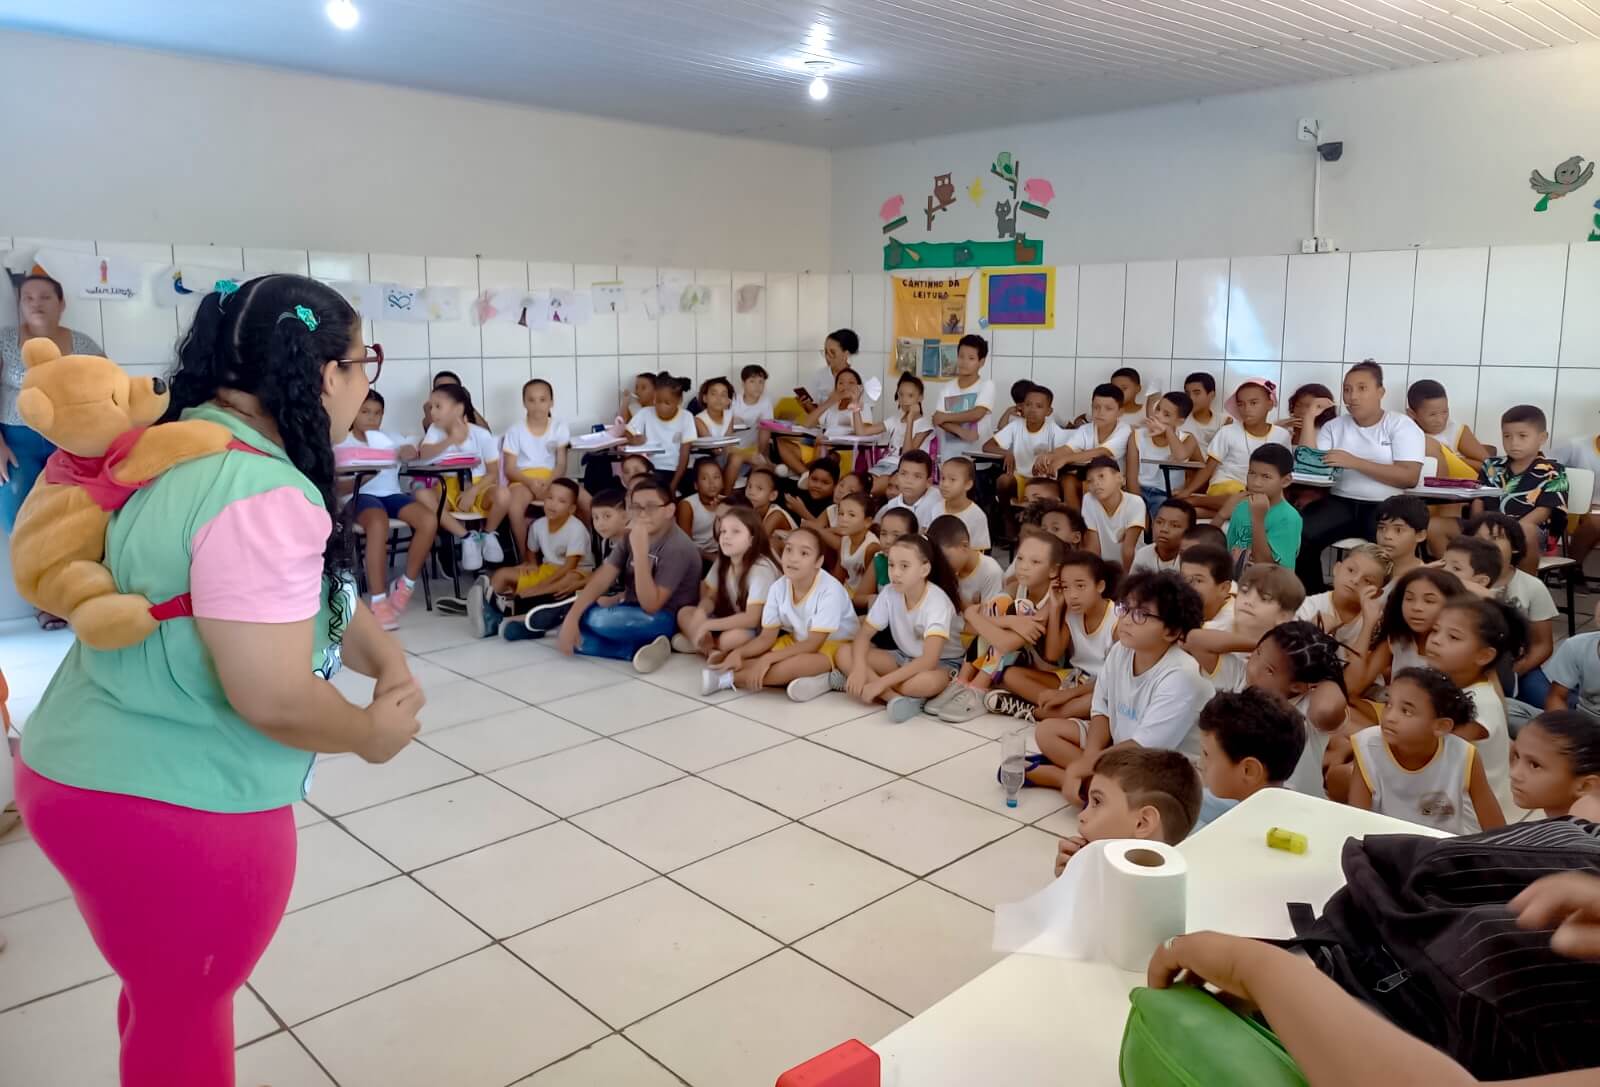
x=1379, y=454
x=23, y=450
x=159, y=779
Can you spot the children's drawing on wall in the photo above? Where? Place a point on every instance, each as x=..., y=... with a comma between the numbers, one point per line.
x=609, y=297
x=696, y=299
x=1007, y=169
x=747, y=297
x=441, y=303
x=1570, y=176
x=890, y=213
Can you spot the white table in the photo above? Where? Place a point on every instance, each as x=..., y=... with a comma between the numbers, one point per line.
x=1427, y=494
x=1030, y=1021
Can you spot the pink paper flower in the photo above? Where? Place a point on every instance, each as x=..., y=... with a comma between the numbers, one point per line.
x=1039, y=190
x=891, y=208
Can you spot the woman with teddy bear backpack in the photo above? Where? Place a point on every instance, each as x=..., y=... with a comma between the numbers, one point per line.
x=159, y=779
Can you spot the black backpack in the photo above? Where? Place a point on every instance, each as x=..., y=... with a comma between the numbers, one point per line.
x=1420, y=932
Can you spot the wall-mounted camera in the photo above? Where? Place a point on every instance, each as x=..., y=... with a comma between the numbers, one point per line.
x=1332, y=151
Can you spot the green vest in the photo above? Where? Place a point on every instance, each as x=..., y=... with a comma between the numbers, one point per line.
x=152, y=720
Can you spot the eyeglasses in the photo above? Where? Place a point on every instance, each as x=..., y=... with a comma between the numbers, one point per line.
x=372, y=363
x=1136, y=616
x=634, y=507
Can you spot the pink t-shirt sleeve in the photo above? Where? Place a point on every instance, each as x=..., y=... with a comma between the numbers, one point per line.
x=260, y=560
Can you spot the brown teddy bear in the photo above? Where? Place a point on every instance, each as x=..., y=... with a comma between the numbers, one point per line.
x=100, y=420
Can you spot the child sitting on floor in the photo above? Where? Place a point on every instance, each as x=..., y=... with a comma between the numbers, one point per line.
x=1136, y=792
x=1006, y=625
x=559, y=562
x=892, y=524
x=1060, y=681
x=807, y=617
x=1209, y=571
x=1148, y=693
x=917, y=610
x=979, y=574
x=809, y=504
x=1472, y=638
x=1402, y=527
x=912, y=480
x=761, y=489
x=734, y=592
x=1268, y=596
x=697, y=514
x=1478, y=563
x=381, y=498
x=1116, y=519
x=1574, y=673
x=1555, y=762
x=1526, y=593
x=1172, y=520
x=957, y=477
x=1395, y=630
x=1300, y=664
x=1249, y=740
x=1057, y=518
x=1039, y=489
x=1416, y=767
x=1359, y=576
x=1264, y=526
x=858, y=544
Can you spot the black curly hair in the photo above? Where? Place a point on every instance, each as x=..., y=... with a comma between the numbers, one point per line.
x=1500, y=526
x=1392, y=626
x=1449, y=701
x=250, y=340
x=1257, y=724
x=1173, y=599
x=1313, y=654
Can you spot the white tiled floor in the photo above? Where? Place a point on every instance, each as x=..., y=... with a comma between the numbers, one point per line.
x=578, y=876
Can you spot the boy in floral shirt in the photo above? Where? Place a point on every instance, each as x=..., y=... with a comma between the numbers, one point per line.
x=1535, y=485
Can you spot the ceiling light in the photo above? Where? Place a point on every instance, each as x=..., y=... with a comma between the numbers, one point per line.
x=343, y=14
x=819, y=86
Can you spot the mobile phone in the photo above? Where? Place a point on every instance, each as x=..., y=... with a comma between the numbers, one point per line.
x=803, y=394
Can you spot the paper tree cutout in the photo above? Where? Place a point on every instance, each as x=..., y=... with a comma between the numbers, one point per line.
x=1007, y=169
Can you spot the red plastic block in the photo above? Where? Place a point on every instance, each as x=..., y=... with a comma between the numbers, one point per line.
x=848, y=1064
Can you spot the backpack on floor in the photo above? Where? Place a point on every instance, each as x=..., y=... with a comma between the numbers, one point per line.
x=1421, y=933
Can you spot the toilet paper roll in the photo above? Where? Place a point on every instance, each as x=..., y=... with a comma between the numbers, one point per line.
x=1117, y=901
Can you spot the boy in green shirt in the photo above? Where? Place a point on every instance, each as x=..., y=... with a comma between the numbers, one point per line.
x=1264, y=526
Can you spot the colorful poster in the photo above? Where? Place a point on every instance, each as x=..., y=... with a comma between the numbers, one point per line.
x=1019, y=298
x=84, y=275
x=933, y=308
x=402, y=304
x=499, y=305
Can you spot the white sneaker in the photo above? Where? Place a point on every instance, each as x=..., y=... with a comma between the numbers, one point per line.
x=492, y=551
x=471, y=553
x=681, y=643
x=710, y=682
x=806, y=688
x=652, y=656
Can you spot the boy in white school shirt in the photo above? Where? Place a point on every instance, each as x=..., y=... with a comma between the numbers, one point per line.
x=964, y=415
x=912, y=478
x=1116, y=519
x=1172, y=520
x=1228, y=456
x=1105, y=434
x=1204, y=420
x=1130, y=385
x=1031, y=433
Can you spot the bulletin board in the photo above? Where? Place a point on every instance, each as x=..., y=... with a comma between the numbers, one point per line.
x=930, y=317
x=1018, y=297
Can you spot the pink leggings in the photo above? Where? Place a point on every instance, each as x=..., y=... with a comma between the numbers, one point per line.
x=181, y=902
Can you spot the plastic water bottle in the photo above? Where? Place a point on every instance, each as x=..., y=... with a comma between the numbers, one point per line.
x=1013, y=764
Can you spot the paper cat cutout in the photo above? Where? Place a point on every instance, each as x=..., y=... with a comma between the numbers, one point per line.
x=1005, y=214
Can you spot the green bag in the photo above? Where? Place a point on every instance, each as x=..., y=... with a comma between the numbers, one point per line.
x=1185, y=1037
x=1313, y=462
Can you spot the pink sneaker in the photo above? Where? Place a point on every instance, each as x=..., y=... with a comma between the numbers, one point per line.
x=400, y=595
x=386, y=613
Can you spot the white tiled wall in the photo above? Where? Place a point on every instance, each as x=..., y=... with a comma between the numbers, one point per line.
x=1496, y=327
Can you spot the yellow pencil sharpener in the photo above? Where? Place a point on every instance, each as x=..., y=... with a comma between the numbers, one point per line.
x=1287, y=840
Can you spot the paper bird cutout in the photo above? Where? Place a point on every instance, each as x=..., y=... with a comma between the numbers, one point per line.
x=1570, y=176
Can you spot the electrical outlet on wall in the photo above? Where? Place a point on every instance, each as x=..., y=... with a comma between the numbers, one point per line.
x=1308, y=245
x=1308, y=129
x=1325, y=245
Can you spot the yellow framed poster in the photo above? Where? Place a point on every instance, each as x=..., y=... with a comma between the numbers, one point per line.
x=1018, y=297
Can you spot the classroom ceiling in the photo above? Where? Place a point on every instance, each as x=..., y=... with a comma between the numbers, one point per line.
x=903, y=68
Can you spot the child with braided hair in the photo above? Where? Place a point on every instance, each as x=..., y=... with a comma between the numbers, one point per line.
x=1414, y=766
x=1303, y=666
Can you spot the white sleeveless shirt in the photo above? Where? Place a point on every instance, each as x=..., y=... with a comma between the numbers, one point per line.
x=1307, y=776
x=1088, y=653
x=1435, y=796
x=854, y=561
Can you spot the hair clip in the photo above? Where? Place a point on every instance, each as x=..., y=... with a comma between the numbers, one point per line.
x=225, y=288
x=305, y=316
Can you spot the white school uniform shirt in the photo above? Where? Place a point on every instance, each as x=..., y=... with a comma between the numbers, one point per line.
x=1437, y=795
x=715, y=429
x=1232, y=446
x=986, y=580
x=1088, y=651
x=750, y=415
x=1223, y=620
x=538, y=450
x=1150, y=474
x=821, y=384
x=1111, y=526
x=895, y=435
x=1228, y=674
x=702, y=524
x=1157, y=709
x=854, y=560
x=1026, y=446
x=951, y=397
x=1318, y=610
x=670, y=434
x=1307, y=775
x=826, y=607
x=1530, y=596
x=1394, y=437
x=757, y=587
x=480, y=443
x=1450, y=436
x=974, y=517
x=1083, y=438
x=1495, y=749
x=556, y=547
x=934, y=614
x=1146, y=559
x=925, y=509
x=1204, y=432
x=387, y=481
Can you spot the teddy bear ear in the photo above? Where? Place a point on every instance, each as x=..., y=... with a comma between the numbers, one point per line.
x=39, y=350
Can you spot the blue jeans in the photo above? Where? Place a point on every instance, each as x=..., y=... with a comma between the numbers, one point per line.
x=620, y=631
x=31, y=450
x=1154, y=499
x=1533, y=687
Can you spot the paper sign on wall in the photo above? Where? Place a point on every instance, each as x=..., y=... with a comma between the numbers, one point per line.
x=499, y=305
x=179, y=281
x=442, y=303
x=609, y=297
x=536, y=309
x=695, y=299
x=747, y=298
x=568, y=307
x=1019, y=298
x=84, y=275
x=930, y=316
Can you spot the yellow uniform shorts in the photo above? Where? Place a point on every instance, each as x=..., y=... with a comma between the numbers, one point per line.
x=830, y=648
x=1225, y=487
x=452, y=494
x=531, y=579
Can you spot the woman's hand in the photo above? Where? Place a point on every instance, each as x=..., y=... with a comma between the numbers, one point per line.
x=394, y=722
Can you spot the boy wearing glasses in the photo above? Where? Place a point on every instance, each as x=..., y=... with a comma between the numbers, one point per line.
x=655, y=570
x=1148, y=693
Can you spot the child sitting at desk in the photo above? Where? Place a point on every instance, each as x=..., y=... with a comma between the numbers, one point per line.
x=1203, y=421
x=668, y=427
x=535, y=452
x=717, y=420
x=1457, y=450
x=964, y=415
x=1249, y=740
x=1128, y=382
x=1535, y=486
x=1136, y=792
x=1028, y=435
x=450, y=407
x=381, y=498
x=1172, y=520
x=761, y=490
x=906, y=428
x=1161, y=438
x=1104, y=435
x=559, y=562
x=1228, y=455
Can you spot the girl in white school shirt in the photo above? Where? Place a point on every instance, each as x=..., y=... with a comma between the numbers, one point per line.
x=535, y=452
x=450, y=406
x=906, y=426
x=668, y=427
x=807, y=617
x=734, y=591
x=918, y=609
